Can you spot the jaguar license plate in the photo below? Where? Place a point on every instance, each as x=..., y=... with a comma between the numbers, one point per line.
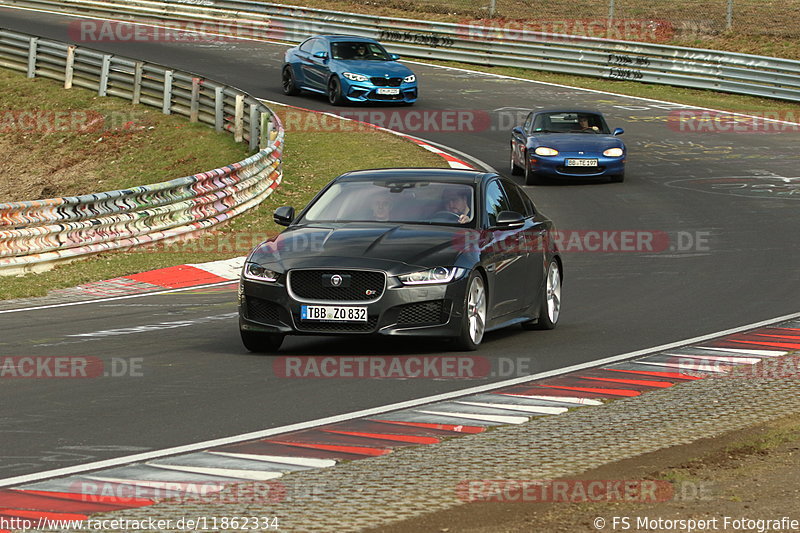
x=333, y=313
x=581, y=162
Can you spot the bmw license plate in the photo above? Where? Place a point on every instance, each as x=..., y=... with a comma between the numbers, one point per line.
x=581, y=162
x=388, y=91
x=333, y=313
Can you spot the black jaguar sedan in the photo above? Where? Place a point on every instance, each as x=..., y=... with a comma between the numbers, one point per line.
x=423, y=252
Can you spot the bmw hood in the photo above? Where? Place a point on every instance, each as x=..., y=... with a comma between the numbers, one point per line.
x=385, y=246
x=575, y=142
x=374, y=69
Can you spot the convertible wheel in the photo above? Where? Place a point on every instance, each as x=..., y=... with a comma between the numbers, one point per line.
x=473, y=324
x=335, y=92
x=289, y=86
x=619, y=178
x=261, y=342
x=531, y=176
x=550, y=304
x=516, y=170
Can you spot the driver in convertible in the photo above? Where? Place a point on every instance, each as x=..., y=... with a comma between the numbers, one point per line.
x=583, y=124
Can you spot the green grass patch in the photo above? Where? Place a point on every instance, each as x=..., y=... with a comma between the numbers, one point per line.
x=58, y=142
x=311, y=159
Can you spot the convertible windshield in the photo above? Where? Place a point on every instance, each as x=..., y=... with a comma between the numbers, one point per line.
x=407, y=202
x=569, y=123
x=358, y=50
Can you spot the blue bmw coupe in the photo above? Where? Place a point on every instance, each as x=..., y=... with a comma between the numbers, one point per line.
x=347, y=69
x=567, y=144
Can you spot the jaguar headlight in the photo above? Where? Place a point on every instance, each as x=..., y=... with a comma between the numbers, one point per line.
x=257, y=272
x=432, y=276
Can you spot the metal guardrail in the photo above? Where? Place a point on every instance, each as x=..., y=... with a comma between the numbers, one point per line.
x=615, y=60
x=35, y=234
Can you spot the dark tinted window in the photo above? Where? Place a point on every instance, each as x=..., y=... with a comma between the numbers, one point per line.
x=360, y=50
x=496, y=201
x=516, y=199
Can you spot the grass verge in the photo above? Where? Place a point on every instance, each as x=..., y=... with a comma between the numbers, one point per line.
x=311, y=159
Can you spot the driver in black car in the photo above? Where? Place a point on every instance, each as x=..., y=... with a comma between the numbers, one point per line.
x=457, y=202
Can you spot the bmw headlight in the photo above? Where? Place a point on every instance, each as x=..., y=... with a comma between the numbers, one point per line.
x=256, y=271
x=613, y=152
x=355, y=77
x=433, y=276
x=543, y=150
x=410, y=79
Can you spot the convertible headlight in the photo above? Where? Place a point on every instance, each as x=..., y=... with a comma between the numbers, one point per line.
x=355, y=77
x=432, y=276
x=543, y=150
x=410, y=79
x=613, y=152
x=256, y=271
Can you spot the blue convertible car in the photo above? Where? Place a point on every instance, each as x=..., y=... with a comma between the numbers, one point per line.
x=566, y=144
x=347, y=69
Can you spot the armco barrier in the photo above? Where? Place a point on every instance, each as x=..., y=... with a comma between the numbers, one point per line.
x=36, y=234
x=468, y=43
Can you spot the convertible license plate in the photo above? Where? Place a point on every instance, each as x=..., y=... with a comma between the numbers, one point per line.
x=333, y=313
x=581, y=162
x=388, y=91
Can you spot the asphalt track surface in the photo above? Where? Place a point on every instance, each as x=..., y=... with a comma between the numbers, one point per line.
x=194, y=381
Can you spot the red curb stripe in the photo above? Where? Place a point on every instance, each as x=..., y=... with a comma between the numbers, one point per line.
x=446, y=427
x=356, y=450
x=384, y=436
x=78, y=503
x=177, y=277
x=789, y=345
x=790, y=337
x=95, y=498
x=675, y=375
x=609, y=392
x=643, y=382
x=42, y=514
x=540, y=390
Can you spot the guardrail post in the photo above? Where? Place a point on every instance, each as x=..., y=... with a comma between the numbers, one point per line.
x=106, y=66
x=194, y=106
x=729, y=18
x=492, y=8
x=69, y=71
x=137, y=82
x=610, y=18
x=32, y=46
x=266, y=130
x=238, y=119
x=219, y=108
x=254, y=126
x=166, y=106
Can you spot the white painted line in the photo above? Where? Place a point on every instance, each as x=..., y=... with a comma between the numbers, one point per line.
x=765, y=353
x=501, y=419
x=292, y=461
x=540, y=409
x=563, y=399
x=252, y=475
x=725, y=358
x=688, y=366
x=117, y=461
x=114, y=298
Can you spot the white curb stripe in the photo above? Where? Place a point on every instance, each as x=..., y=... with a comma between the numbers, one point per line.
x=765, y=353
x=727, y=359
x=686, y=366
x=253, y=475
x=524, y=408
x=292, y=461
x=563, y=399
x=488, y=418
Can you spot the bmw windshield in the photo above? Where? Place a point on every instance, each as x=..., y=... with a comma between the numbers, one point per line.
x=358, y=50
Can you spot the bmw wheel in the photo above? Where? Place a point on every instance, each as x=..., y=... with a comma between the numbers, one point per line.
x=335, y=91
x=261, y=342
x=289, y=86
x=550, y=303
x=473, y=322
